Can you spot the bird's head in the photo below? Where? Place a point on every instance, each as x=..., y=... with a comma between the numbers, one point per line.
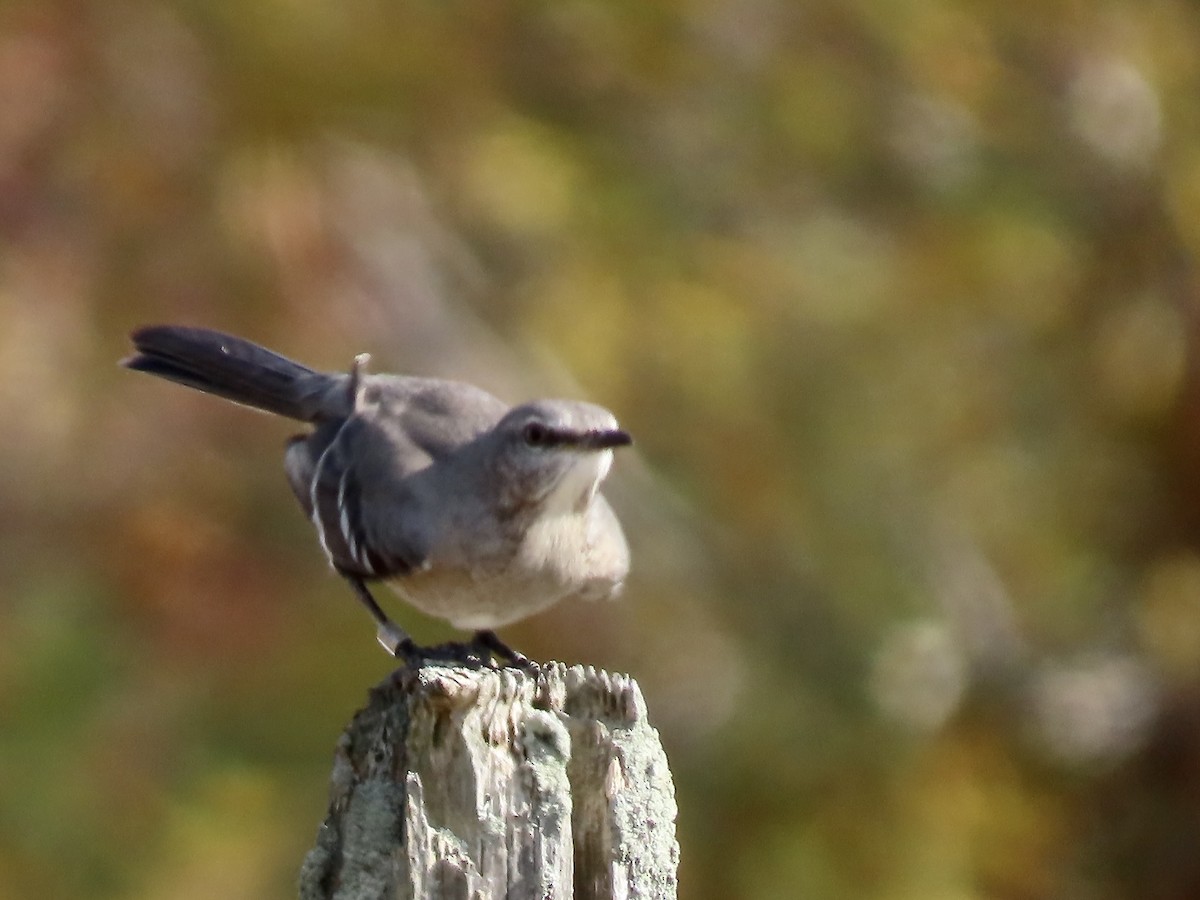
x=553, y=454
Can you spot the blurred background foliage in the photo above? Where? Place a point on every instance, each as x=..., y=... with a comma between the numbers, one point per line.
x=897, y=297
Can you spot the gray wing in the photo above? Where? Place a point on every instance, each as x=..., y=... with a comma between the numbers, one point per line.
x=326, y=474
x=429, y=418
x=357, y=478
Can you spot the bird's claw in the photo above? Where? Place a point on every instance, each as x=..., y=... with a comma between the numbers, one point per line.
x=490, y=643
x=485, y=649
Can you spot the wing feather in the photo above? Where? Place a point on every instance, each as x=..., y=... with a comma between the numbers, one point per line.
x=325, y=473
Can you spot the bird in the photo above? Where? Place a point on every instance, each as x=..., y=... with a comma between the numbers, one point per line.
x=475, y=512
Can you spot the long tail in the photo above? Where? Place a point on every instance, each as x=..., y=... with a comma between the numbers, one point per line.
x=236, y=369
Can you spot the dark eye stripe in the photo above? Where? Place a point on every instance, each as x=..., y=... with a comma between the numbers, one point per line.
x=535, y=434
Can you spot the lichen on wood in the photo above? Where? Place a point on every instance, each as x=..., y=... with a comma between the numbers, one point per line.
x=497, y=783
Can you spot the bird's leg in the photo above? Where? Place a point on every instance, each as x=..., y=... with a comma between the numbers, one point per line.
x=490, y=642
x=392, y=637
x=396, y=641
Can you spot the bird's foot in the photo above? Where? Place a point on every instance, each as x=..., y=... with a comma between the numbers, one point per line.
x=490, y=645
x=396, y=642
x=485, y=649
x=454, y=653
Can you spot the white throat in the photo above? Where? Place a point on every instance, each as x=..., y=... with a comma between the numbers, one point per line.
x=579, y=483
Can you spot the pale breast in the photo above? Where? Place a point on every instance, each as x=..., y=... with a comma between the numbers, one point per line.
x=484, y=582
x=477, y=603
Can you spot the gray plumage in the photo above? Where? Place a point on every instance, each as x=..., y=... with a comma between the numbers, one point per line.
x=475, y=512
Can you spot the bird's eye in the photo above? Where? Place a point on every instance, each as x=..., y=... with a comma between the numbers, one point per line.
x=536, y=434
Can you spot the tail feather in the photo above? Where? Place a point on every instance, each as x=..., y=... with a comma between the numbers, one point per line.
x=233, y=368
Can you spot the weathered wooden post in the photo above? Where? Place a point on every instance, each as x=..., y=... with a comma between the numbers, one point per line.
x=491, y=784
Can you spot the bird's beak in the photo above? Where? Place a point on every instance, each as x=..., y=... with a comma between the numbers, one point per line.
x=604, y=440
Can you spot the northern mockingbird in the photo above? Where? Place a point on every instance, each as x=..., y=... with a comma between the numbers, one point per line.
x=475, y=512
